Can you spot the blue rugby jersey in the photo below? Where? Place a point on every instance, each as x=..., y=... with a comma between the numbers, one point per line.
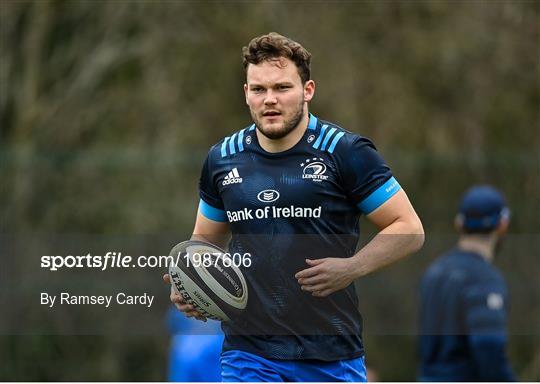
x=463, y=320
x=282, y=208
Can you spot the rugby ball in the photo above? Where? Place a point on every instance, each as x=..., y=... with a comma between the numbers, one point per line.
x=205, y=276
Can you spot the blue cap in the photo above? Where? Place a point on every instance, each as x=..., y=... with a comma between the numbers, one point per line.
x=481, y=209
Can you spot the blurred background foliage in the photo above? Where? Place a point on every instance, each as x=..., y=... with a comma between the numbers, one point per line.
x=107, y=110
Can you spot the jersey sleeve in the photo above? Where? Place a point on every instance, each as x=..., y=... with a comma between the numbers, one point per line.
x=485, y=308
x=489, y=355
x=485, y=321
x=367, y=179
x=210, y=203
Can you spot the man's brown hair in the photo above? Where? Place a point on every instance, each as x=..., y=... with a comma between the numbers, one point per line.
x=273, y=46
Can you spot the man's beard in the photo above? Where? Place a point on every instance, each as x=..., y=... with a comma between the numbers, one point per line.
x=288, y=125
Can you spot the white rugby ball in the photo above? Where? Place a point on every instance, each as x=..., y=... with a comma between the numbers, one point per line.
x=215, y=290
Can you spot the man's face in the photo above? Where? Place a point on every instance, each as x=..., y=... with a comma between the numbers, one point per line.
x=276, y=97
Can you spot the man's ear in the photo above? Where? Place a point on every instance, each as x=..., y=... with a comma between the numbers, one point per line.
x=246, y=92
x=309, y=90
x=502, y=228
x=458, y=222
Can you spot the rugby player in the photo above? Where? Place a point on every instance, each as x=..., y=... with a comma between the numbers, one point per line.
x=291, y=188
x=464, y=298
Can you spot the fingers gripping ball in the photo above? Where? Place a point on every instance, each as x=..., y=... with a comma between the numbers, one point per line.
x=205, y=277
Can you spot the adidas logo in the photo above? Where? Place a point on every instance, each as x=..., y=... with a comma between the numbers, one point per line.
x=232, y=178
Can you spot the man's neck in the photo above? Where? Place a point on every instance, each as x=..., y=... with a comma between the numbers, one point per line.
x=287, y=142
x=484, y=245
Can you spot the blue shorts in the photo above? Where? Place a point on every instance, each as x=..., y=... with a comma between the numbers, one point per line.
x=243, y=366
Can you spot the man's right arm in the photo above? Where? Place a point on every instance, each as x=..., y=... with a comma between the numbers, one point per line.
x=215, y=232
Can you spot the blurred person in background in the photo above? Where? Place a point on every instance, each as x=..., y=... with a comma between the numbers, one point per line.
x=464, y=298
x=195, y=349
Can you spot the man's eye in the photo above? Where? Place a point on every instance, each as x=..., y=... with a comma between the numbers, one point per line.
x=257, y=90
x=284, y=87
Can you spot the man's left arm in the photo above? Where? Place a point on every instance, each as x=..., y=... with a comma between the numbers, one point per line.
x=485, y=319
x=400, y=234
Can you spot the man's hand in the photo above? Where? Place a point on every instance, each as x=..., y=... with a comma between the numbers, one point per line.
x=176, y=299
x=325, y=276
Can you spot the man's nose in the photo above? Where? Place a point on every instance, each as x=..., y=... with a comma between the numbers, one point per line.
x=270, y=98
